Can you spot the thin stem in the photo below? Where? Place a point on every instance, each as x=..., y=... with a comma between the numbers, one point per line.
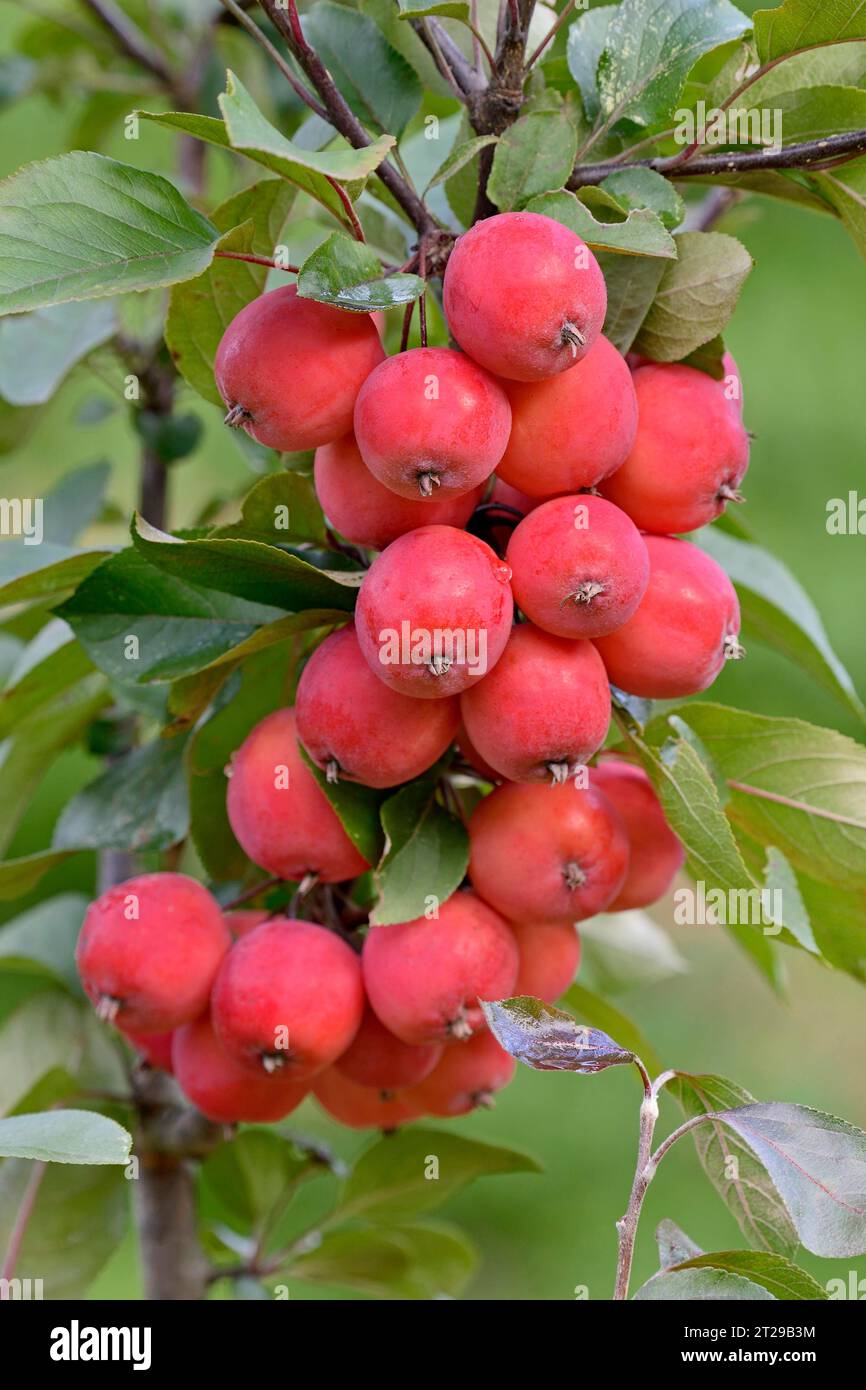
x=422, y=301
x=129, y=39
x=805, y=155
x=257, y=260
x=476, y=46
x=644, y=1170
x=661, y=1081
x=481, y=43
x=261, y=38
x=25, y=1211
x=707, y=213
x=668, y=1143
x=551, y=33
x=439, y=58
x=407, y=324
x=263, y=887
x=356, y=228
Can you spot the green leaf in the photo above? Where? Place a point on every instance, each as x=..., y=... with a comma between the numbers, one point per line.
x=42, y=572
x=632, y=282
x=649, y=49
x=51, y=663
x=627, y=950
x=250, y=570
x=845, y=190
x=778, y=611
x=252, y=1176
x=78, y=1219
x=426, y=859
x=74, y=502
x=18, y=876
x=548, y=1039
x=358, y=809
x=408, y=1262
x=675, y=1247
x=696, y=296
x=138, y=803
x=138, y=623
x=51, y=1032
x=417, y=1169
x=44, y=938
x=693, y=1285
x=534, y=155
x=587, y=38
x=37, y=350
x=793, y=785
x=418, y=9
x=84, y=227
x=732, y=1166
x=376, y=81
x=65, y=1136
x=709, y=358
x=348, y=275
x=636, y=233
x=777, y=1275
x=246, y=130
x=643, y=188
x=599, y=1013
x=801, y=23
x=462, y=153
x=279, y=508
x=818, y=1164
x=39, y=737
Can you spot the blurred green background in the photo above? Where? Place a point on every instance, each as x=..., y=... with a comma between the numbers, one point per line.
x=798, y=338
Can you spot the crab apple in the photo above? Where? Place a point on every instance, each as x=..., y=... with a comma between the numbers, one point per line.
x=543, y=710
x=579, y=566
x=241, y=923
x=363, y=1107
x=524, y=296
x=537, y=855
x=289, y=998
x=355, y=727
x=683, y=630
x=474, y=758
x=431, y=422
x=279, y=814
x=424, y=978
x=222, y=1088
x=574, y=430
x=366, y=512
x=379, y=1059
x=434, y=612
x=155, y=1048
x=468, y=1076
x=655, y=853
x=149, y=951
x=690, y=453
x=549, y=957
x=289, y=369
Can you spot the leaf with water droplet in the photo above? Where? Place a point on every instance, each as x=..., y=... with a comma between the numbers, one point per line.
x=549, y=1039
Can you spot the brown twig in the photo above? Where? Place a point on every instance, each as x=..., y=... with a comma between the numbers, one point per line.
x=808, y=154
x=257, y=260
x=261, y=38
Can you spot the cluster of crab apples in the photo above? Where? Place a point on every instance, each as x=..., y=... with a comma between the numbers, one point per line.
x=492, y=659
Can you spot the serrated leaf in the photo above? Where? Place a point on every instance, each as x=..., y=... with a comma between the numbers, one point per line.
x=391, y=1182
x=649, y=49
x=138, y=803
x=348, y=275
x=65, y=1136
x=251, y=1177
x=251, y=570
x=463, y=152
x=694, y=1285
x=427, y=855
x=37, y=350
x=533, y=155
x=548, y=1039
x=818, y=1164
x=777, y=1275
x=376, y=81
x=802, y=23
x=643, y=188
x=600, y=1013
x=793, y=785
x=84, y=227
x=696, y=296
x=732, y=1166
x=636, y=233
x=778, y=611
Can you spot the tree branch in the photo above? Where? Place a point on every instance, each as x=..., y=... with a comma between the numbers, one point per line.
x=810, y=154
x=461, y=76
x=340, y=115
x=129, y=39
